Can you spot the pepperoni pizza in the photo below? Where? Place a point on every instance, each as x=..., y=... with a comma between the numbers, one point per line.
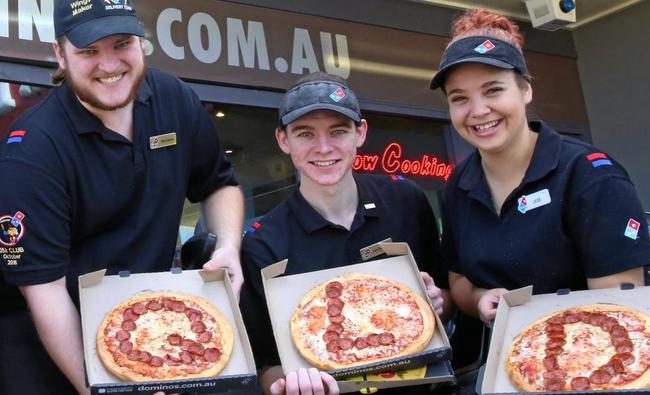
x=360, y=318
x=162, y=336
x=588, y=347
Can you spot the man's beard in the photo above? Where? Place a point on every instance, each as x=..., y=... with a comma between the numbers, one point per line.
x=86, y=95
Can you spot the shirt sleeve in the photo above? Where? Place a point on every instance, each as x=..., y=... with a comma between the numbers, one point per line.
x=255, y=256
x=35, y=223
x=607, y=224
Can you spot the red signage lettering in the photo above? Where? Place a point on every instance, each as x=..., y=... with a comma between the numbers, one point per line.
x=391, y=162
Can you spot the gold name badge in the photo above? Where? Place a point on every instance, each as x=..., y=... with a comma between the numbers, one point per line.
x=162, y=140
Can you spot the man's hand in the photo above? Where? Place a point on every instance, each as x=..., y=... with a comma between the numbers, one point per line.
x=487, y=304
x=434, y=293
x=227, y=257
x=305, y=382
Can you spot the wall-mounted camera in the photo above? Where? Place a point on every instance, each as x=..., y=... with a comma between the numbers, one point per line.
x=551, y=14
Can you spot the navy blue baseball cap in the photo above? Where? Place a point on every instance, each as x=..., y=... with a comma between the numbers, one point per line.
x=479, y=49
x=318, y=95
x=87, y=21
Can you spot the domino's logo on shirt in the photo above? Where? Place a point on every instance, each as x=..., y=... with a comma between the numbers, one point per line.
x=632, y=229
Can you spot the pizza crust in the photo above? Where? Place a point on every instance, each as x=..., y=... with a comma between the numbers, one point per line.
x=519, y=380
x=300, y=339
x=123, y=373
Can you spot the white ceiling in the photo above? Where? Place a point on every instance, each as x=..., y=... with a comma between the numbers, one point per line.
x=586, y=10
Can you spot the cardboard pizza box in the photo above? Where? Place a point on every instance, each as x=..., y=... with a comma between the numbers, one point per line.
x=283, y=294
x=99, y=293
x=518, y=308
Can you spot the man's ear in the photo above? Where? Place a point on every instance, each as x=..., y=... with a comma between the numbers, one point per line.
x=281, y=138
x=58, y=52
x=362, y=132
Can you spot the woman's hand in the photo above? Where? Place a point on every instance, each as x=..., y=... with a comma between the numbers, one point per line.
x=487, y=304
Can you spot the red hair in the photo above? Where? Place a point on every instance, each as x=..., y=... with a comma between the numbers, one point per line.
x=479, y=22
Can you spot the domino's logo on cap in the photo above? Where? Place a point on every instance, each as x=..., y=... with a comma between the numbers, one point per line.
x=337, y=95
x=486, y=46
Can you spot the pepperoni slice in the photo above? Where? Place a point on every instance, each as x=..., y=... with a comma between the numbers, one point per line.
x=556, y=335
x=204, y=337
x=597, y=319
x=617, y=365
x=333, y=346
x=154, y=305
x=186, y=357
x=608, y=324
x=580, y=383
x=338, y=328
x=212, y=355
x=386, y=338
x=551, y=327
x=193, y=315
x=144, y=357
x=185, y=344
x=555, y=320
x=600, y=376
x=584, y=316
x=198, y=327
x=122, y=335
x=330, y=335
x=550, y=363
x=335, y=302
x=346, y=343
x=373, y=340
x=554, y=351
x=554, y=374
x=168, y=303
x=133, y=355
x=156, y=362
x=360, y=343
x=625, y=357
x=333, y=310
x=624, y=347
x=178, y=306
x=337, y=319
x=174, y=339
x=554, y=343
x=139, y=308
x=333, y=289
x=129, y=315
x=570, y=317
x=554, y=384
x=196, y=348
x=172, y=360
x=129, y=325
x=618, y=331
x=126, y=346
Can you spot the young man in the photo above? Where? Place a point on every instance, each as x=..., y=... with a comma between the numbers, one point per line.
x=332, y=215
x=96, y=176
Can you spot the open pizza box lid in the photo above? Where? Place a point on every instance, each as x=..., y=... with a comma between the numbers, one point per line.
x=99, y=293
x=283, y=294
x=518, y=308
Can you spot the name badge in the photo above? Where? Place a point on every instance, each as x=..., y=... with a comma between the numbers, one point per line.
x=162, y=140
x=534, y=200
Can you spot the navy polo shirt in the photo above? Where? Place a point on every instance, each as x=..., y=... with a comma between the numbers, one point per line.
x=78, y=197
x=389, y=207
x=574, y=216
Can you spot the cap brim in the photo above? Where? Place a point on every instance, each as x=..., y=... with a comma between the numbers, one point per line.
x=299, y=112
x=439, y=78
x=93, y=30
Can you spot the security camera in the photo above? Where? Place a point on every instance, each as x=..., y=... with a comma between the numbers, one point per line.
x=551, y=14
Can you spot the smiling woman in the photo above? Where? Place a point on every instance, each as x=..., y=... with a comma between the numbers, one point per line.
x=528, y=206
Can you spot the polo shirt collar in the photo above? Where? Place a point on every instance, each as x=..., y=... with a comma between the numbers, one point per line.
x=546, y=157
x=84, y=121
x=311, y=220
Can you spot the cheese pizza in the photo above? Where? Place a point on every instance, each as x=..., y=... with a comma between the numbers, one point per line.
x=163, y=336
x=360, y=318
x=588, y=347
